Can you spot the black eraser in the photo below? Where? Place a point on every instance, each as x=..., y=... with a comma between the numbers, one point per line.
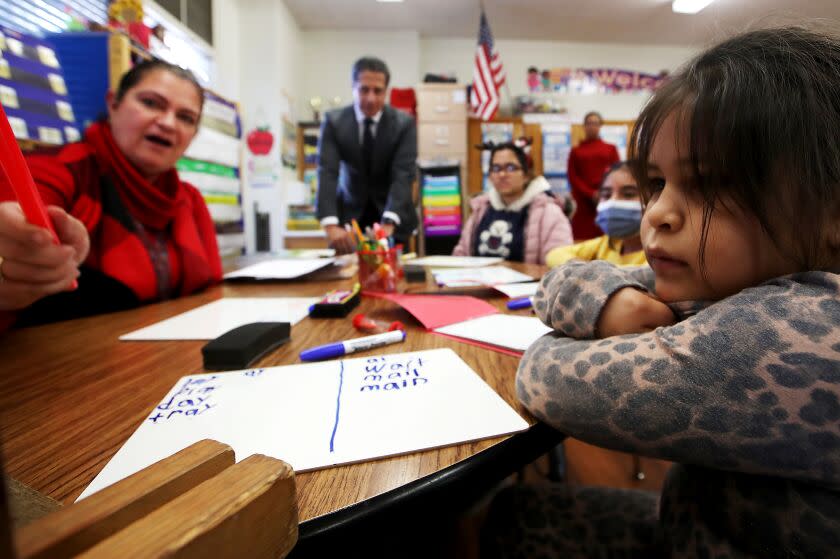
x=415, y=274
x=337, y=303
x=238, y=348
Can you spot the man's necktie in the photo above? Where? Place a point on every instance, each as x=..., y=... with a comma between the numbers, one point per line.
x=367, y=145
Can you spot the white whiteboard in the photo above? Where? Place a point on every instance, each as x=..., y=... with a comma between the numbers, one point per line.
x=443, y=261
x=214, y=319
x=289, y=268
x=486, y=276
x=504, y=330
x=318, y=415
x=515, y=290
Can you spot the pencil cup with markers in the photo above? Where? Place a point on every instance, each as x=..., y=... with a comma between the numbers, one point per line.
x=379, y=269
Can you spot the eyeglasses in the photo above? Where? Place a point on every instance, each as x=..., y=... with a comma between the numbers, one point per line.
x=510, y=168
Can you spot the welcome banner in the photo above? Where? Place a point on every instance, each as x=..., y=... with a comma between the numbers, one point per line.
x=587, y=81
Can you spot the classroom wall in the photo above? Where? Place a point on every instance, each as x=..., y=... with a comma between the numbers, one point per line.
x=455, y=56
x=329, y=57
x=260, y=61
x=226, y=41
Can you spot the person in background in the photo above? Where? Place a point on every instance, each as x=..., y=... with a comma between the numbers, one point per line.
x=367, y=159
x=619, y=214
x=545, y=78
x=520, y=219
x=722, y=355
x=587, y=163
x=534, y=81
x=131, y=231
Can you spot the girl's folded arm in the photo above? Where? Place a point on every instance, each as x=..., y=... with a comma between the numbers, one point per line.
x=750, y=384
x=571, y=296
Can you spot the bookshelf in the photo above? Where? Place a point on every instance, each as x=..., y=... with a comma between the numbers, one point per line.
x=303, y=230
x=441, y=202
x=34, y=91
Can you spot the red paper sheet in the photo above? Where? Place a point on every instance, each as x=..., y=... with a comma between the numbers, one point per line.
x=434, y=311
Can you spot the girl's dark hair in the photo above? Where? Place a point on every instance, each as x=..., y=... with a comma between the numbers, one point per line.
x=760, y=114
x=518, y=151
x=139, y=71
x=620, y=166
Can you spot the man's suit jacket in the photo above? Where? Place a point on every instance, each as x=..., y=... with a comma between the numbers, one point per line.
x=344, y=186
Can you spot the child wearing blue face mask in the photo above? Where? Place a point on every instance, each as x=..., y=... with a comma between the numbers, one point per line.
x=619, y=216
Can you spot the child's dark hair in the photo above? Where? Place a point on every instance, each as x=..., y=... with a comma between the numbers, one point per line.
x=139, y=71
x=760, y=114
x=616, y=167
x=518, y=151
x=620, y=166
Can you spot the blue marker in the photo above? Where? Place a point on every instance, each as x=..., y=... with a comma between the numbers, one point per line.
x=357, y=344
x=522, y=303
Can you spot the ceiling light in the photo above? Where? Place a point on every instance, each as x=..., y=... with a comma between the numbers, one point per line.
x=688, y=6
x=388, y=1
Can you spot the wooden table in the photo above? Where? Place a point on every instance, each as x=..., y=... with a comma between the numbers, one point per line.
x=71, y=394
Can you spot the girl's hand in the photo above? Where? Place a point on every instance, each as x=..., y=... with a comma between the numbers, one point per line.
x=33, y=266
x=631, y=311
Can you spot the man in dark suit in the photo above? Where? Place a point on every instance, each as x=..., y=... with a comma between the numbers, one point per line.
x=367, y=162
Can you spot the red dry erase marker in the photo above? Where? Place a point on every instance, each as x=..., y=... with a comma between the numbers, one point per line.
x=366, y=324
x=17, y=172
x=13, y=165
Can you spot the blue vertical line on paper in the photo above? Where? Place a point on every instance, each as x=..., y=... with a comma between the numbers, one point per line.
x=337, y=404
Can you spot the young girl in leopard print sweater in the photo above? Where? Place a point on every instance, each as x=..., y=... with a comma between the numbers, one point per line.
x=724, y=355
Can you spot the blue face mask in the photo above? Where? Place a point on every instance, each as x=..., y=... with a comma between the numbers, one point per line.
x=619, y=218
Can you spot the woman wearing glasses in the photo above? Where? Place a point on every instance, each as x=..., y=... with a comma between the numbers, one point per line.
x=519, y=219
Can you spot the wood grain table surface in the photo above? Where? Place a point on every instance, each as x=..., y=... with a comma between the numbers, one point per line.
x=71, y=393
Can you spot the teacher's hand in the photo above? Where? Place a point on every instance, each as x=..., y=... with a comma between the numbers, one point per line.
x=339, y=239
x=630, y=311
x=31, y=265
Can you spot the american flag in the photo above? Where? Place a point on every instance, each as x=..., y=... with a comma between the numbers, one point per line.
x=488, y=76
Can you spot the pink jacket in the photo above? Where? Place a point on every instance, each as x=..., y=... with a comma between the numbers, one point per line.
x=546, y=227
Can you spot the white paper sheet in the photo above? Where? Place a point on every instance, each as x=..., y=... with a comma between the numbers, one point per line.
x=214, y=319
x=454, y=261
x=321, y=414
x=468, y=277
x=281, y=268
x=516, y=290
x=503, y=330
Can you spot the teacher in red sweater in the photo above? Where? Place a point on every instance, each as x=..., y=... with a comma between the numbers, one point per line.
x=587, y=164
x=130, y=230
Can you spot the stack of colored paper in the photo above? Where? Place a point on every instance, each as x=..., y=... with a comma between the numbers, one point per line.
x=441, y=205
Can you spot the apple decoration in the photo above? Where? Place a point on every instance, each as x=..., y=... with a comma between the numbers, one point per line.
x=260, y=141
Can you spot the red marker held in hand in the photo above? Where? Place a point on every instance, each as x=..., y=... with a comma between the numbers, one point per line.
x=13, y=165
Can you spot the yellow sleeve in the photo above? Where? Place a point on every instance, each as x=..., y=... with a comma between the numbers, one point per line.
x=584, y=250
